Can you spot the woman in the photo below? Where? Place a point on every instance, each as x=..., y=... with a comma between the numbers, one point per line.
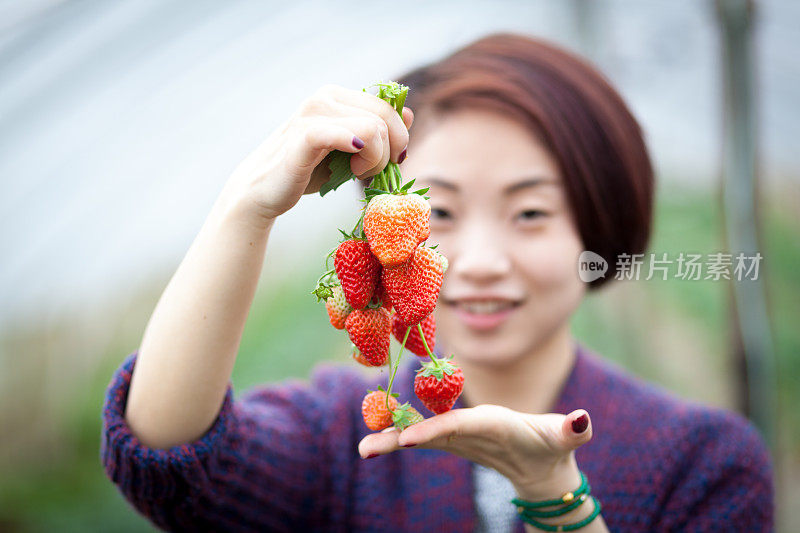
x=531, y=158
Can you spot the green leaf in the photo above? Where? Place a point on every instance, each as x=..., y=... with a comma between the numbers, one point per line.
x=340, y=172
x=422, y=192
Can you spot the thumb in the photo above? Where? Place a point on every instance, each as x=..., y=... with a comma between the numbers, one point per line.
x=576, y=429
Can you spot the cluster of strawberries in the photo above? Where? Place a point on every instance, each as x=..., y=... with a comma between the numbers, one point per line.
x=387, y=283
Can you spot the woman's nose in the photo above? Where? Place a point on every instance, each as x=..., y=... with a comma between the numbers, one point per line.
x=481, y=256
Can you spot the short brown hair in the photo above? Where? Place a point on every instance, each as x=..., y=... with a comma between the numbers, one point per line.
x=578, y=116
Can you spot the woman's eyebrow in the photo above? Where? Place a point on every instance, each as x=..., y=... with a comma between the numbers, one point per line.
x=441, y=183
x=526, y=183
x=523, y=184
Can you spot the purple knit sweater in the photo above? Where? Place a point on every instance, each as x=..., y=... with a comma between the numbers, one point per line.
x=284, y=458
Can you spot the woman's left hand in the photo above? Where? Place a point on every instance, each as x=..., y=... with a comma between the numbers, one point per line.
x=535, y=452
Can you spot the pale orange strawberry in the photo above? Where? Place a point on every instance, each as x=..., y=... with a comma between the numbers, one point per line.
x=337, y=307
x=395, y=224
x=370, y=330
x=414, y=286
x=373, y=409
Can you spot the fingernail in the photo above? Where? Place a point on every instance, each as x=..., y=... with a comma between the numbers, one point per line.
x=402, y=156
x=580, y=424
x=370, y=456
x=358, y=143
x=408, y=445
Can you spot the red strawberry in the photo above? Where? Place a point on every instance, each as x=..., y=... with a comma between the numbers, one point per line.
x=370, y=330
x=359, y=358
x=414, y=342
x=438, y=387
x=337, y=307
x=373, y=409
x=358, y=271
x=414, y=286
x=395, y=224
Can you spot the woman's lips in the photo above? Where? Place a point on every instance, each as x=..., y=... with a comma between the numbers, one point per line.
x=485, y=315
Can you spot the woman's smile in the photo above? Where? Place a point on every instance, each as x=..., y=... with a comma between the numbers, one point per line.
x=482, y=313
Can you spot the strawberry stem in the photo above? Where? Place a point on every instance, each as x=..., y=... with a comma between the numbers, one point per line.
x=325, y=275
x=425, y=344
x=394, y=172
x=328, y=257
x=396, y=365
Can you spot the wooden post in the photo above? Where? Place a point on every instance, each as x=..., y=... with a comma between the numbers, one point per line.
x=757, y=375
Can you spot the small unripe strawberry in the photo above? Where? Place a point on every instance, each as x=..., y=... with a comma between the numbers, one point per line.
x=373, y=409
x=405, y=416
x=337, y=307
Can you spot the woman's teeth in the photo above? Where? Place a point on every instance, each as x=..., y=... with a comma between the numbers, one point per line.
x=485, y=307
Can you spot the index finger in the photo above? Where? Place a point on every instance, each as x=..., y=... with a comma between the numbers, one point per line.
x=440, y=430
x=398, y=132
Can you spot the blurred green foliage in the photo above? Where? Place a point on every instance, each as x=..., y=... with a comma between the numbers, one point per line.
x=287, y=333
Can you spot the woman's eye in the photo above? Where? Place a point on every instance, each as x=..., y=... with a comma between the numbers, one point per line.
x=531, y=214
x=440, y=213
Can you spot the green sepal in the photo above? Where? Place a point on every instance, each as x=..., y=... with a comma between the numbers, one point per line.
x=422, y=192
x=370, y=193
x=369, y=196
x=429, y=368
x=405, y=416
x=407, y=186
x=323, y=291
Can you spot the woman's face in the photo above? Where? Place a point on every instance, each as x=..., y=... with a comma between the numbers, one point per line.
x=500, y=215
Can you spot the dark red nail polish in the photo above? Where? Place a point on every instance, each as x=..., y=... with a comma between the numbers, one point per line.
x=358, y=143
x=370, y=456
x=408, y=445
x=580, y=424
x=402, y=156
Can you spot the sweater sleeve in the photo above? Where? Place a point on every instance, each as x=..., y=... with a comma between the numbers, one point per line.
x=260, y=466
x=726, y=484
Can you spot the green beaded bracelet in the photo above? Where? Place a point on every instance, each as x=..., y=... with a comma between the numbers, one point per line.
x=566, y=527
x=566, y=498
x=530, y=513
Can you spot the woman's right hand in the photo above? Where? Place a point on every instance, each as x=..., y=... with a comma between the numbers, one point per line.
x=292, y=160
